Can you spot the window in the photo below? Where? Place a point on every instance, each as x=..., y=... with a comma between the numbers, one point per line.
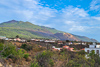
x=97, y=52
x=87, y=51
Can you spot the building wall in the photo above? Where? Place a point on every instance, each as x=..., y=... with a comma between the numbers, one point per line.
x=95, y=49
x=92, y=46
x=97, y=46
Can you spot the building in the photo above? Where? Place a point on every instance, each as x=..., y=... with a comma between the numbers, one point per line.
x=60, y=42
x=68, y=48
x=94, y=47
x=49, y=41
x=55, y=49
x=2, y=37
x=17, y=39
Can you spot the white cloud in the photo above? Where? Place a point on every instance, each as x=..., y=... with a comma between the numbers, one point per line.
x=74, y=11
x=70, y=19
x=97, y=18
x=95, y=5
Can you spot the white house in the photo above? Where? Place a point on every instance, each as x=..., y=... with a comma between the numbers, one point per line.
x=2, y=37
x=94, y=47
x=50, y=41
x=53, y=47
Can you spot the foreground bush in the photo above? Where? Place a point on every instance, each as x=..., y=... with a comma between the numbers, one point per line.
x=8, y=50
x=11, y=51
x=34, y=64
x=44, y=59
x=26, y=47
x=26, y=56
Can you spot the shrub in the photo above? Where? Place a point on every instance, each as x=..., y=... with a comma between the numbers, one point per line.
x=44, y=58
x=8, y=50
x=35, y=64
x=23, y=46
x=26, y=47
x=20, y=54
x=26, y=56
x=1, y=46
x=51, y=62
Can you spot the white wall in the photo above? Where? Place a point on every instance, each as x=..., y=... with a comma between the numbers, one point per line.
x=91, y=46
x=90, y=49
x=97, y=46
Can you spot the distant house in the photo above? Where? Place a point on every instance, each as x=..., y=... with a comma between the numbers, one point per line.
x=68, y=48
x=55, y=49
x=2, y=37
x=17, y=39
x=32, y=39
x=49, y=41
x=41, y=40
x=70, y=43
x=60, y=42
x=22, y=40
x=71, y=49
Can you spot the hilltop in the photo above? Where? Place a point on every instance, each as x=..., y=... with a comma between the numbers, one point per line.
x=28, y=30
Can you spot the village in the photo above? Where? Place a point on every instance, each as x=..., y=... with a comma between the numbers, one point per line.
x=57, y=45
x=41, y=48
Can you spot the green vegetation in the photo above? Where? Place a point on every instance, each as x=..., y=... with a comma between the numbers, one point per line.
x=38, y=56
x=25, y=30
x=26, y=56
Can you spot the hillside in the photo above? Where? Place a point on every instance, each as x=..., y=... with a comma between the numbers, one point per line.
x=28, y=30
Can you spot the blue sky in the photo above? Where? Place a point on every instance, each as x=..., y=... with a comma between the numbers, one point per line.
x=80, y=17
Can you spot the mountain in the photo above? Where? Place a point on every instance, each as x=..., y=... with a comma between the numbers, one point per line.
x=28, y=30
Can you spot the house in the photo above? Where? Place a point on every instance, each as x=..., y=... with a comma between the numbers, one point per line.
x=71, y=49
x=22, y=40
x=49, y=41
x=94, y=47
x=70, y=43
x=55, y=49
x=32, y=39
x=60, y=42
x=2, y=37
x=17, y=39
x=68, y=48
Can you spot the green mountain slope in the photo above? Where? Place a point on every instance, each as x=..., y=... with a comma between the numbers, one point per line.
x=29, y=26
x=28, y=30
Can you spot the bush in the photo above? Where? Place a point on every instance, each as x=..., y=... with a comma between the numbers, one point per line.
x=20, y=54
x=26, y=47
x=35, y=64
x=8, y=50
x=26, y=56
x=1, y=46
x=38, y=49
x=44, y=58
x=51, y=62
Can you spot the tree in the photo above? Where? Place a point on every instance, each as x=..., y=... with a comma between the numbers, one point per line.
x=67, y=41
x=17, y=36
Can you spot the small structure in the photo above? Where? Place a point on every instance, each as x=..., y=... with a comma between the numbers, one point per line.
x=49, y=41
x=70, y=43
x=68, y=48
x=54, y=48
x=94, y=47
x=2, y=37
x=17, y=39
x=60, y=42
